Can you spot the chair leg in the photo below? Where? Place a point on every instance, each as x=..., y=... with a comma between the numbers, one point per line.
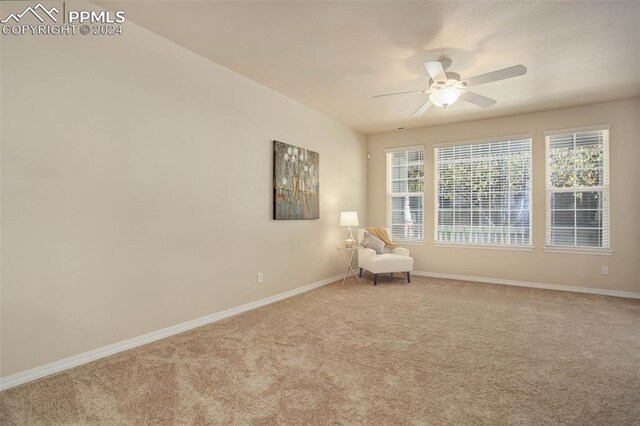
x=375, y=279
x=409, y=277
x=360, y=273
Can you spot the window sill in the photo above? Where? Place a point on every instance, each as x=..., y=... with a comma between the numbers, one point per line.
x=579, y=250
x=409, y=243
x=483, y=246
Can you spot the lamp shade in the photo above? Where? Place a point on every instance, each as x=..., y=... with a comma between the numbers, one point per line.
x=348, y=218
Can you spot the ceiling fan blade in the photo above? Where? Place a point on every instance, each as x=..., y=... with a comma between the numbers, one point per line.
x=436, y=71
x=398, y=93
x=425, y=106
x=476, y=99
x=510, y=72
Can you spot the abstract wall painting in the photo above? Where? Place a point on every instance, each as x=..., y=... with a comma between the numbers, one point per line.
x=296, y=183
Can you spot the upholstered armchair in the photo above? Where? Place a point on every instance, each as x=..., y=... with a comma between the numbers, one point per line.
x=391, y=260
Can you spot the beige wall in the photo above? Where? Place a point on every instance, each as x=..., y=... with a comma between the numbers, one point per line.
x=136, y=192
x=537, y=266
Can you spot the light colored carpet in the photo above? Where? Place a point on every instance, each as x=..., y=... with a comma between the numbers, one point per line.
x=433, y=352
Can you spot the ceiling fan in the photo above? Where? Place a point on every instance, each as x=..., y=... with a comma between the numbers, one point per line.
x=445, y=88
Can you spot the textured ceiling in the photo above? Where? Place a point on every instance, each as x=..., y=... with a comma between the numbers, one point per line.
x=333, y=56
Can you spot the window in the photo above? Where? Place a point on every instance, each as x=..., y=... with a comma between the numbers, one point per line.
x=405, y=194
x=483, y=192
x=578, y=188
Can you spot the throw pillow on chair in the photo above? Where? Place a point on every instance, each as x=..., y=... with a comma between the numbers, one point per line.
x=374, y=243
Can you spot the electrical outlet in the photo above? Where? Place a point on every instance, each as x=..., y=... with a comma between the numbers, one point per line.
x=604, y=270
x=259, y=277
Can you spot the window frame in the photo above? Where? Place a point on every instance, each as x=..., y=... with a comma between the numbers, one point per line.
x=488, y=246
x=604, y=189
x=390, y=195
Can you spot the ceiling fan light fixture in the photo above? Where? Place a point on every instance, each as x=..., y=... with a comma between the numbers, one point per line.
x=445, y=96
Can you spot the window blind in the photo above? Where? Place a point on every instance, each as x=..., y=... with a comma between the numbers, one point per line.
x=405, y=194
x=483, y=192
x=577, y=213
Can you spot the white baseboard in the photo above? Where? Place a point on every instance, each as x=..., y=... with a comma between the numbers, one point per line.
x=501, y=281
x=83, y=358
x=77, y=360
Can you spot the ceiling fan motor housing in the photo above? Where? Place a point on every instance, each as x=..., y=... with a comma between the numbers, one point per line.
x=452, y=78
